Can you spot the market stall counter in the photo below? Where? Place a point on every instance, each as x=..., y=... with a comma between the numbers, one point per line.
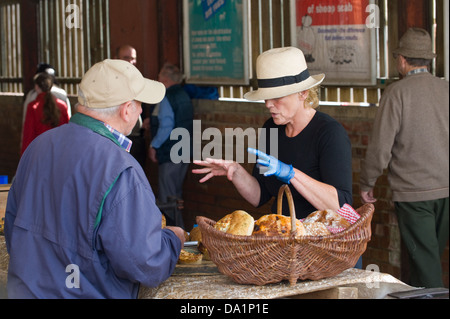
x=205, y=282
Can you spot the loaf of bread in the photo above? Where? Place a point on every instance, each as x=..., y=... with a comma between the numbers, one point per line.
x=276, y=225
x=316, y=229
x=238, y=222
x=328, y=217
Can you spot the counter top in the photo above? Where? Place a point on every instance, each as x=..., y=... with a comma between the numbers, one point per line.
x=367, y=284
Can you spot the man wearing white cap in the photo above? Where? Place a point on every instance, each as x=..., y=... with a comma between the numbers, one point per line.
x=81, y=219
x=314, y=151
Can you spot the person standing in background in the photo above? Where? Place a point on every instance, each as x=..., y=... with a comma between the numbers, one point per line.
x=127, y=53
x=174, y=111
x=56, y=90
x=411, y=138
x=44, y=113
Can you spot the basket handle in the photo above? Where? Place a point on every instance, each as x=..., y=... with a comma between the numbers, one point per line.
x=286, y=190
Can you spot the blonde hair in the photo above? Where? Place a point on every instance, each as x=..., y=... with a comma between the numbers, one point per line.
x=313, y=97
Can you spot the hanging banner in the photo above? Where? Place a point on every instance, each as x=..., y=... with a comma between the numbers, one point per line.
x=216, y=42
x=338, y=39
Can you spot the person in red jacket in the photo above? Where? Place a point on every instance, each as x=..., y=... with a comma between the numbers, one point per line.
x=44, y=113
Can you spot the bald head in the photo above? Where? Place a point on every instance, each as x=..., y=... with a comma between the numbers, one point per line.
x=127, y=53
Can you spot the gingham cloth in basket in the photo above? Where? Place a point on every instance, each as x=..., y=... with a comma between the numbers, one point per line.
x=349, y=214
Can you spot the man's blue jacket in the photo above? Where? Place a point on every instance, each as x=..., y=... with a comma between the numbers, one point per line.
x=81, y=219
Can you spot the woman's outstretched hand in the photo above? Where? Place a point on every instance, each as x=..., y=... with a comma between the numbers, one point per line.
x=215, y=167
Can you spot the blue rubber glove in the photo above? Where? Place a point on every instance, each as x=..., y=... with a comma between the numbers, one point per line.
x=282, y=171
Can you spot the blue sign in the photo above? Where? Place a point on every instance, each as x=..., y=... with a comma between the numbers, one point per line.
x=216, y=47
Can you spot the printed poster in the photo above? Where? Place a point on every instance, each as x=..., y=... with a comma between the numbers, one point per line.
x=216, y=42
x=337, y=40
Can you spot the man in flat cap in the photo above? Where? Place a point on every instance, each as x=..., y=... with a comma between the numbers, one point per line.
x=81, y=219
x=411, y=138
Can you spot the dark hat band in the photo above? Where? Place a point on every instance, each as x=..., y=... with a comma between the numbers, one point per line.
x=285, y=80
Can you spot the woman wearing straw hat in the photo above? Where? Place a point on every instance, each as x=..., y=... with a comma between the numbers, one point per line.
x=314, y=151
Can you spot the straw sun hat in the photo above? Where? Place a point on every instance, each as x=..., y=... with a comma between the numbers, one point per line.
x=282, y=72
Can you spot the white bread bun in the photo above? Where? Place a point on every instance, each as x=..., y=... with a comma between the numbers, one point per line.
x=238, y=222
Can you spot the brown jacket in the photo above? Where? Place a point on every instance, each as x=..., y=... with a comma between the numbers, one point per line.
x=411, y=139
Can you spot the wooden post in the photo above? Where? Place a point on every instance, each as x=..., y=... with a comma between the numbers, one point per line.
x=30, y=42
x=169, y=25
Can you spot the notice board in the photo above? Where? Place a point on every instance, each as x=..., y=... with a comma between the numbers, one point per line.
x=216, y=42
x=337, y=38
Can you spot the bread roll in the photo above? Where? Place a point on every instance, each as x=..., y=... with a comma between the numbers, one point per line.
x=186, y=235
x=163, y=221
x=201, y=248
x=316, y=229
x=276, y=225
x=195, y=234
x=189, y=258
x=328, y=217
x=238, y=222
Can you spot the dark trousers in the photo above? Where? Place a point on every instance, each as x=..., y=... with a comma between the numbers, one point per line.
x=170, y=184
x=424, y=231
x=138, y=149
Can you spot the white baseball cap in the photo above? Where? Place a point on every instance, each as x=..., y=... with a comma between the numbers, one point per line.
x=113, y=82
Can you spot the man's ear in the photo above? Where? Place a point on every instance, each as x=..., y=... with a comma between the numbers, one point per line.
x=125, y=111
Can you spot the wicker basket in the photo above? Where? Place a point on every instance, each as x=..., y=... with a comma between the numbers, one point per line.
x=262, y=260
